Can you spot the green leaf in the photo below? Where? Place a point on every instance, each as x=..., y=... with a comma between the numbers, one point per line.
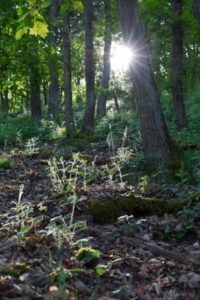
x=25, y=229
x=45, y=4
x=101, y=270
x=20, y=32
x=78, y=5
x=20, y=11
x=65, y=6
x=88, y=254
x=39, y=28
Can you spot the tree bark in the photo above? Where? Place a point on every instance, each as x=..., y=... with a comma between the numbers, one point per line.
x=115, y=97
x=157, y=143
x=101, y=104
x=5, y=102
x=88, y=119
x=45, y=93
x=69, y=116
x=54, y=97
x=35, y=86
x=177, y=65
x=196, y=10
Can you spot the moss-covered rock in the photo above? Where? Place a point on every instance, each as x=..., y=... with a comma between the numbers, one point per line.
x=107, y=211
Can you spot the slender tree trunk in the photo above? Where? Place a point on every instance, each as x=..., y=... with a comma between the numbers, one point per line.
x=35, y=86
x=196, y=10
x=177, y=65
x=2, y=103
x=35, y=97
x=69, y=116
x=27, y=97
x=88, y=119
x=115, y=97
x=79, y=99
x=157, y=142
x=102, y=99
x=156, y=49
x=1, y=97
x=54, y=96
x=5, y=102
x=45, y=93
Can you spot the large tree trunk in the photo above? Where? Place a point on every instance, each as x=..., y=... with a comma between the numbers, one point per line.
x=35, y=86
x=102, y=99
x=69, y=116
x=157, y=142
x=177, y=65
x=54, y=97
x=88, y=119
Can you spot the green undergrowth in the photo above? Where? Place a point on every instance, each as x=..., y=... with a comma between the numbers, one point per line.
x=15, y=130
x=191, y=133
x=118, y=122
x=22, y=129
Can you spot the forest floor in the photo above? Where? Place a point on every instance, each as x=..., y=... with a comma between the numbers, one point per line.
x=146, y=257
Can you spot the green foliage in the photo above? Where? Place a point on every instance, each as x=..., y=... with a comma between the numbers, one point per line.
x=31, y=146
x=13, y=130
x=65, y=174
x=16, y=270
x=181, y=233
x=5, y=162
x=62, y=275
x=40, y=28
x=88, y=255
x=78, y=5
x=18, y=221
x=119, y=162
x=23, y=231
x=83, y=169
x=144, y=183
x=20, y=32
x=31, y=20
x=118, y=123
x=67, y=5
x=101, y=270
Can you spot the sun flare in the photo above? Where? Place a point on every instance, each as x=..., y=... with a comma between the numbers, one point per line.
x=121, y=57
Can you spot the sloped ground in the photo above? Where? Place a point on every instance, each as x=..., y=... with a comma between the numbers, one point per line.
x=140, y=258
